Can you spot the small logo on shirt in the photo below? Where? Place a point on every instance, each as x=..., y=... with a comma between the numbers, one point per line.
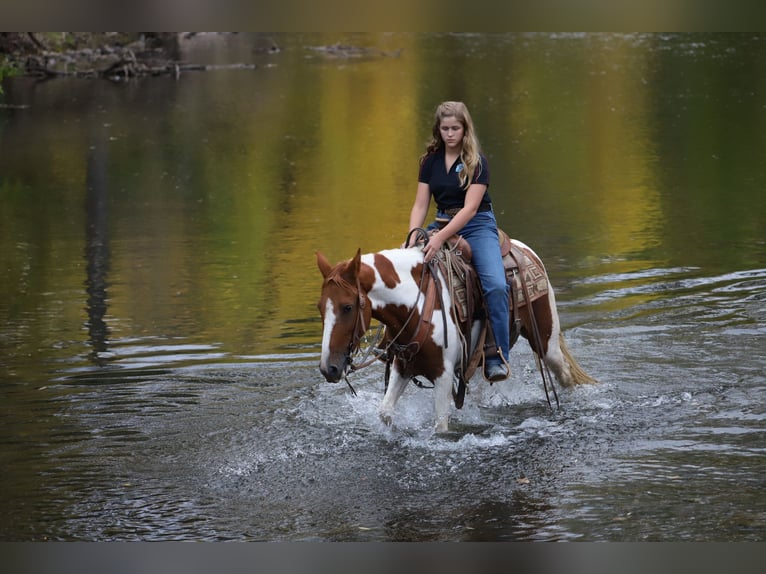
x=459, y=168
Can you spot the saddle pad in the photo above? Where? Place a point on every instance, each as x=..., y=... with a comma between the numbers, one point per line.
x=530, y=271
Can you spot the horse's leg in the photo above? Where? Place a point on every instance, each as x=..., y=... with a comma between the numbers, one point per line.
x=554, y=357
x=558, y=357
x=555, y=352
x=548, y=329
x=443, y=400
x=396, y=385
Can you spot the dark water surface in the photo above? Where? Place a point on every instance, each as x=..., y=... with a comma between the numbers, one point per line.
x=159, y=338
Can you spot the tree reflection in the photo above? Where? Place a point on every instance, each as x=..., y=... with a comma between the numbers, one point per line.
x=97, y=247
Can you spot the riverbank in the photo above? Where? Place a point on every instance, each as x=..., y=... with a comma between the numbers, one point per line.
x=118, y=56
x=111, y=55
x=88, y=54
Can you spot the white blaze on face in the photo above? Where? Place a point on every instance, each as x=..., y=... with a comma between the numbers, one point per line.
x=329, y=324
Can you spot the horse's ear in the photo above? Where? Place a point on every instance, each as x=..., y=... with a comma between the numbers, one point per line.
x=351, y=271
x=324, y=265
x=356, y=262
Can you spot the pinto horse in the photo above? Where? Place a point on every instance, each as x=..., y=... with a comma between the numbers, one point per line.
x=390, y=287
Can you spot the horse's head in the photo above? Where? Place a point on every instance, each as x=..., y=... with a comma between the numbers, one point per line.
x=345, y=311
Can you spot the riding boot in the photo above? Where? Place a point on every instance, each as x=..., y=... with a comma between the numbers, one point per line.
x=496, y=368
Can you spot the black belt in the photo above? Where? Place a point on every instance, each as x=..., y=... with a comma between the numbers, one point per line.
x=452, y=211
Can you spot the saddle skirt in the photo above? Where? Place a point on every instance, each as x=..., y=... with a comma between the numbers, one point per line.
x=523, y=271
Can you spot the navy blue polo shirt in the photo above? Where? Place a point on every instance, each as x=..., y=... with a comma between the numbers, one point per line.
x=445, y=185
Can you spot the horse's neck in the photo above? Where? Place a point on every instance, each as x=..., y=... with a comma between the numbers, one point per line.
x=395, y=280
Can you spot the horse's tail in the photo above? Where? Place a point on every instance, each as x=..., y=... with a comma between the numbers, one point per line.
x=579, y=377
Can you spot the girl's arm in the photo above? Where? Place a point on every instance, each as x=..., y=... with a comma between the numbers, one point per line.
x=473, y=198
x=420, y=207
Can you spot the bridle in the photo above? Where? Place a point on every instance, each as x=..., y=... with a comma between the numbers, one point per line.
x=359, y=327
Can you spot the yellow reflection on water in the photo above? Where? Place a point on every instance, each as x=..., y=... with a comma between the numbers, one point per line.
x=584, y=123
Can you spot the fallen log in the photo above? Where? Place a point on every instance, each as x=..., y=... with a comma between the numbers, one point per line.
x=126, y=67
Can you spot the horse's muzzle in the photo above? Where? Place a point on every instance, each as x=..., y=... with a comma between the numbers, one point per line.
x=333, y=371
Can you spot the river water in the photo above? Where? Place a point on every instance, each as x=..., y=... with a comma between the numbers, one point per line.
x=159, y=338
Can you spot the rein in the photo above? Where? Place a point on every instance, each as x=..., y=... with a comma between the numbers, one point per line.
x=431, y=291
x=408, y=350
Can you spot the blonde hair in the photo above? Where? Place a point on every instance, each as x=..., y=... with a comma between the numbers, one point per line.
x=469, y=153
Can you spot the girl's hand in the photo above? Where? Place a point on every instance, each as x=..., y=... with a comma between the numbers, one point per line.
x=432, y=247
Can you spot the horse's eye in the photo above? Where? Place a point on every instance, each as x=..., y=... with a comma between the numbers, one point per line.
x=347, y=308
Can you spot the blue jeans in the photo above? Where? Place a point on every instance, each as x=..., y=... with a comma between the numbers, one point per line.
x=481, y=234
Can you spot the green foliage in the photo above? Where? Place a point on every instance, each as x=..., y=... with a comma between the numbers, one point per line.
x=8, y=68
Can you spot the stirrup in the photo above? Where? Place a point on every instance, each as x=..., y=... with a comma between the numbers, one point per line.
x=495, y=371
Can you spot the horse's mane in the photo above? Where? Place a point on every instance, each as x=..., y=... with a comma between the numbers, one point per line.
x=337, y=278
